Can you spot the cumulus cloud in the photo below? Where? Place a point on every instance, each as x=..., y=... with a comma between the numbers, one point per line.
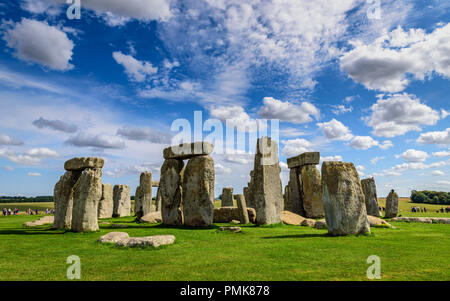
x=375, y=160
x=38, y=42
x=133, y=169
x=437, y=173
x=56, y=125
x=42, y=153
x=412, y=155
x=436, y=137
x=442, y=154
x=34, y=174
x=341, y=109
x=235, y=116
x=331, y=158
x=289, y=112
x=397, y=114
x=30, y=157
x=363, y=142
x=136, y=70
x=98, y=141
x=6, y=140
x=144, y=134
x=221, y=170
x=388, y=63
x=335, y=130
x=296, y=147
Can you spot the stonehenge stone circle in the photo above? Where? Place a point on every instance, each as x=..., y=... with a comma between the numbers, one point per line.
x=312, y=192
x=106, y=204
x=311, y=158
x=228, y=214
x=267, y=187
x=63, y=199
x=243, y=213
x=391, y=204
x=188, y=150
x=295, y=203
x=227, y=197
x=158, y=200
x=86, y=196
x=122, y=201
x=170, y=190
x=143, y=196
x=343, y=199
x=198, y=192
x=370, y=194
x=79, y=164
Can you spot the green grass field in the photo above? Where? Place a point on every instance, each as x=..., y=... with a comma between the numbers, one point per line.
x=410, y=252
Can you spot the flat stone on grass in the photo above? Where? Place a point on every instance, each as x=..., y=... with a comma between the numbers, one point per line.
x=146, y=241
x=113, y=237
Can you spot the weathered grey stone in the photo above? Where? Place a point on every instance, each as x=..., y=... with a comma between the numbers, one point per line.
x=267, y=187
x=198, y=192
x=152, y=218
x=370, y=194
x=155, y=183
x=78, y=164
x=343, y=199
x=146, y=241
x=250, y=199
x=158, y=200
x=188, y=150
x=227, y=214
x=320, y=224
x=242, y=207
x=312, y=158
x=245, y=191
x=143, y=197
x=63, y=199
x=227, y=197
x=295, y=202
x=376, y=221
x=48, y=219
x=231, y=229
x=170, y=189
x=87, y=193
x=426, y=220
x=290, y=218
x=106, y=204
x=308, y=222
x=286, y=203
x=312, y=192
x=391, y=205
x=122, y=201
x=113, y=237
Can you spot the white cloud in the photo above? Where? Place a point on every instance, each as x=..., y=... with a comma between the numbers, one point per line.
x=398, y=114
x=444, y=114
x=284, y=167
x=30, y=157
x=335, y=130
x=341, y=109
x=376, y=159
x=221, y=170
x=331, y=158
x=386, y=144
x=38, y=42
x=8, y=168
x=296, y=147
x=6, y=140
x=412, y=155
x=42, y=153
x=291, y=132
x=435, y=137
x=34, y=174
x=442, y=154
x=235, y=116
x=136, y=70
x=289, y=112
x=445, y=183
x=56, y=125
x=437, y=173
x=363, y=142
x=144, y=134
x=388, y=62
x=98, y=141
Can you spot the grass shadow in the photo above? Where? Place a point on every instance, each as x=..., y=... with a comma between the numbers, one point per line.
x=30, y=231
x=299, y=236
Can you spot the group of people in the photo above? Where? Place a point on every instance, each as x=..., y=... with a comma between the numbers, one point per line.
x=419, y=209
x=10, y=212
x=442, y=210
x=15, y=211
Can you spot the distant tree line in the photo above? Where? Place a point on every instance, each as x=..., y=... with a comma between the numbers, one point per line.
x=430, y=197
x=22, y=199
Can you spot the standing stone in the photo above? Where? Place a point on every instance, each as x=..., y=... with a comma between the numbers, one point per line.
x=86, y=196
x=343, y=199
x=227, y=197
x=370, y=194
x=171, y=191
x=122, y=201
x=63, y=198
x=158, y=200
x=143, y=203
x=312, y=192
x=295, y=192
x=106, y=204
x=198, y=192
x=267, y=187
x=391, y=204
x=245, y=191
x=243, y=213
x=286, y=204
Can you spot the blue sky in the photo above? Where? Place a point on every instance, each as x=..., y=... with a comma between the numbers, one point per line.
x=358, y=88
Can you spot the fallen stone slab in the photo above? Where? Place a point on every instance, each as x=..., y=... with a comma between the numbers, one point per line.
x=311, y=158
x=152, y=218
x=79, y=164
x=290, y=218
x=113, y=237
x=426, y=220
x=227, y=214
x=231, y=229
x=48, y=219
x=188, y=150
x=146, y=241
x=376, y=221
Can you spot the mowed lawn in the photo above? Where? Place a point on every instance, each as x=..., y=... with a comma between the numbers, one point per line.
x=410, y=252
